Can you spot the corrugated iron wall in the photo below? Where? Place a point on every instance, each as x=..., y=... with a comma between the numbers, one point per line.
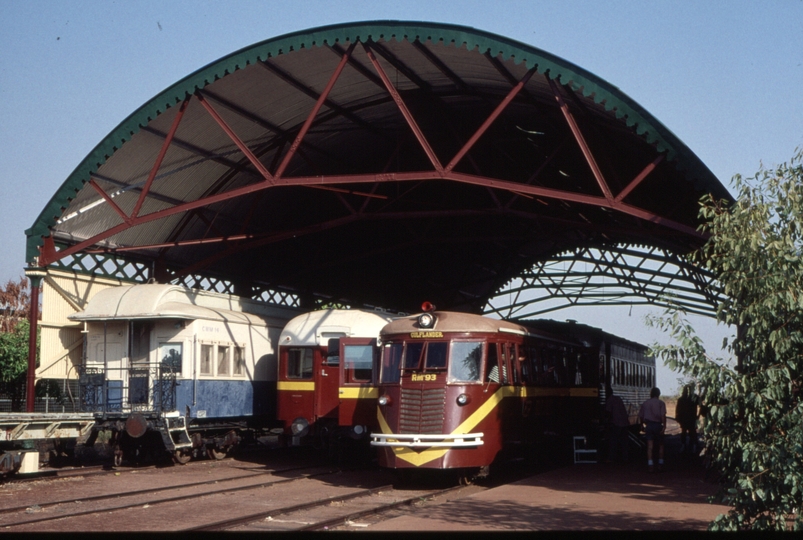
x=61, y=346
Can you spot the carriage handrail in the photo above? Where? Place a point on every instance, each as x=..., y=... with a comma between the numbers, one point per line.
x=141, y=387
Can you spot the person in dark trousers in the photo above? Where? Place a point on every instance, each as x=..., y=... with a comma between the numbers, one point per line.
x=617, y=423
x=652, y=415
x=686, y=415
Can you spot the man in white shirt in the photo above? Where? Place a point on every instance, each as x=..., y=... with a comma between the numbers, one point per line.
x=653, y=415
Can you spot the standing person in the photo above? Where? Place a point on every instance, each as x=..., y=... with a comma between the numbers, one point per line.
x=618, y=423
x=653, y=414
x=686, y=414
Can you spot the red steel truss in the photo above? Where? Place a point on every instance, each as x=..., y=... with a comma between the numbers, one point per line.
x=607, y=199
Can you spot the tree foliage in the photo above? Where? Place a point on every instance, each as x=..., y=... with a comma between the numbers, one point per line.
x=15, y=303
x=14, y=327
x=754, y=423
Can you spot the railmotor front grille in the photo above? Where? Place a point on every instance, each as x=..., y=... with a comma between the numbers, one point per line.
x=422, y=410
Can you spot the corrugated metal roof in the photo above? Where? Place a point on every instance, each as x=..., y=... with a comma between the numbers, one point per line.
x=467, y=237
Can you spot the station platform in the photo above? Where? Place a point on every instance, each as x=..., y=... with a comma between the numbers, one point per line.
x=582, y=497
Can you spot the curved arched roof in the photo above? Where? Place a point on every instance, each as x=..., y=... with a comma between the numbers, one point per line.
x=383, y=162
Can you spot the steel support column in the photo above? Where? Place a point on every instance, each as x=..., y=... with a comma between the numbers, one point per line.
x=35, y=276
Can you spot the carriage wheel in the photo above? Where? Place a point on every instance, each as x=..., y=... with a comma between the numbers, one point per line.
x=214, y=453
x=118, y=455
x=182, y=457
x=465, y=479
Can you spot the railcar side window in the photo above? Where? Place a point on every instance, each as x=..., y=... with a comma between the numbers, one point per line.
x=239, y=360
x=550, y=372
x=359, y=362
x=223, y=362
x=465, y=362
x=170, y=355
x=206, y=359
x=525, y=364
x=496, y=364
x=333, y=352
x=391, y=362
x=436, y=355
x=412, y=356
x=299, y=363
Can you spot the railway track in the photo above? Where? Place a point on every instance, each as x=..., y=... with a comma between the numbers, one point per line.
x=89, y=470
x=70, y=509
x=328, y=513
x=225, y=496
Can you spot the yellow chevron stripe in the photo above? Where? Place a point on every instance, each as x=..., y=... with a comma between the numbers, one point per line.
x=420, y=458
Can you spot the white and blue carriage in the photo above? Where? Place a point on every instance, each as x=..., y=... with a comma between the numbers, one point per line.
x=186, y=371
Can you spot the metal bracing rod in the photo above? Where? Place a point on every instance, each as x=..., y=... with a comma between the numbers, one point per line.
x=408, y=116
x=621, y=277
x=578, y=135
x=132, y=187
x=48, y=253
x=639, y=178
x=688, y=294
x=361, y=69
x=233, y=136
x=258, y=240
x=110, y=202
x=490, y=120
x=298, y=85
x=281, y=135
x=541, y=167
x=531, y=314
x=158, y=163
x=622, y=292
x=400, y=66
x=443, y=68
x=314, y=112
x=644, y=257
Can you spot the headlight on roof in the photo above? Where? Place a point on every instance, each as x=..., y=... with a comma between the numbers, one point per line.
x=426, y=320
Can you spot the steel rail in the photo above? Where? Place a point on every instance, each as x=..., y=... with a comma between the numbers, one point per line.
x=222, y=525
x=156, y=501
x=129, y=493
x=334, y=522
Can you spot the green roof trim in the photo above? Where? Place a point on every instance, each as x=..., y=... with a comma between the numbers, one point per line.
x=577, y=78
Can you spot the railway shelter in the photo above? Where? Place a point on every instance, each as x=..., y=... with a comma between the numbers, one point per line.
x=379, y=164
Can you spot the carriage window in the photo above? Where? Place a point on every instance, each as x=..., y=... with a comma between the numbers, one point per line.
x=239, y=360
x=509, y=359
x=412, y=355
x=391, y=361
x=206, y=359
x=498, y=370
x=549, y=375
x=465, y=362
x=359, y=362
x=223, y=362
x=525, y=364
x=299, y=363
x=333, y=352
x=436, y=355
x=170, y=355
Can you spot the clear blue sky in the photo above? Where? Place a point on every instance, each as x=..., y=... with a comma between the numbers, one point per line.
x=725, y=76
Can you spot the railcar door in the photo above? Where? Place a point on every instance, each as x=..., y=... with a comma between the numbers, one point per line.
x=106, y=354
x=358, y=391
x=327, y=380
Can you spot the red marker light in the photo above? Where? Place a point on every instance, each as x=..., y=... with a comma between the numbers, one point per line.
x=426, y=307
